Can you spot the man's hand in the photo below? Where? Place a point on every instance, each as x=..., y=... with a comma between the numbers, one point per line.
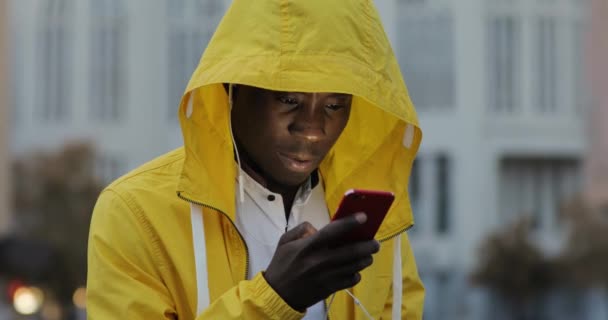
x=307, y=266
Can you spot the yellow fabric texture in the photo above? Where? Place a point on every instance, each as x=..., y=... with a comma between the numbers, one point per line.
x=141, y=260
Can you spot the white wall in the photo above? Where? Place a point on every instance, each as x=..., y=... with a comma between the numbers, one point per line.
x=4, y=123
x=476, y=140
x=144, y=131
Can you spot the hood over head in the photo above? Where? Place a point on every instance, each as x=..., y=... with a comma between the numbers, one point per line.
x=304, y=46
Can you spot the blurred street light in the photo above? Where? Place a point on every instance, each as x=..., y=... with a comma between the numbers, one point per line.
x=28, y=300
x=51, y=310
x=80, y=298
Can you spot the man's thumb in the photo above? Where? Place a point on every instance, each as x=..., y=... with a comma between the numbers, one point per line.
x=303, y=230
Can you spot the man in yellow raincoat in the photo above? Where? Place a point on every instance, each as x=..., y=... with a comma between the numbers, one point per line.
x=293, y=103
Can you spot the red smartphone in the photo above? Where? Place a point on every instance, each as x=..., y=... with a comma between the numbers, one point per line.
x=373, y=203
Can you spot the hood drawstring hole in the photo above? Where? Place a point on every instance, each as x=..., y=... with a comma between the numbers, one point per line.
x=408, y=136
x=189, y=107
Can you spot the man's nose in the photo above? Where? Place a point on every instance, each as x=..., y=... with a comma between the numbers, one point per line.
x=309, y=125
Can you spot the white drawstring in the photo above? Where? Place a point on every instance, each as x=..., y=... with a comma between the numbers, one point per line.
x=200, y=257
x=397, y=287
x=331, y=300
x=198, y=226
x=238, y=158
x=360, y=305
x=357, y=303
x=397, y=278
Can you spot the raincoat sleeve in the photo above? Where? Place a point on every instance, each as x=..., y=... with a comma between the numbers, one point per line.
x=124, y=281
x=413, y=290
x=252, y=299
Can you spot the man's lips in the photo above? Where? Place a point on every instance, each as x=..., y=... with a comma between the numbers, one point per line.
x=295, y=162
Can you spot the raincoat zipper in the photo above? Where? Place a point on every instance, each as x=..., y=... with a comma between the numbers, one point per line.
x=233, y=225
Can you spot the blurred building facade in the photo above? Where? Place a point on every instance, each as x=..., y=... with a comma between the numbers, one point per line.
x=499, y=89
x=109, y=72
x=497, y=85
x=4, y=123
x=597, y=169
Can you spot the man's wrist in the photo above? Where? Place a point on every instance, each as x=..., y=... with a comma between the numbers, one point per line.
x=273, y=303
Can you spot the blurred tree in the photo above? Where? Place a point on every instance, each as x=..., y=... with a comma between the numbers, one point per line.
x=54, y=197
x=516, y=270
x=584, y=260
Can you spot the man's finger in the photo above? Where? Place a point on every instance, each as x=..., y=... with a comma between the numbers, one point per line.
x=351, y=252
x=303, y=230
x=338, y=229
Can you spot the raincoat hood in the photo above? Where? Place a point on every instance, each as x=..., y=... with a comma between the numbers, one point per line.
x=304, y=46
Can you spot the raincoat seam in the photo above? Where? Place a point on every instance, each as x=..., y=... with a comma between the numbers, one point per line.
x=400, y=94
x=284, y=32
x=230, y=59
x=138, y=213
x=367, y=43
x=363, y=67
x=407, y=117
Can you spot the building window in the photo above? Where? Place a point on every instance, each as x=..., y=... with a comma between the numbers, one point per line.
x=414, y=194
x=503, y=40
x=547, y=67
x=579, y=94
x=55, y=61
x=426, y=53
x=191, y=25
x=537, y=188
x=15, y=80
x=430, y=193
x=442, y=225
x=530, y=43
x=108, y=56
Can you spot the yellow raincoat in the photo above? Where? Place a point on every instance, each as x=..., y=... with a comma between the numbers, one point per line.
x=141, y=251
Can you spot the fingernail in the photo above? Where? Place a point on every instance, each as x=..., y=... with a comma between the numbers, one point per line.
x=361, y=217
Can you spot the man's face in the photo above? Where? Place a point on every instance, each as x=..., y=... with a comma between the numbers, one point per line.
x=286, y=135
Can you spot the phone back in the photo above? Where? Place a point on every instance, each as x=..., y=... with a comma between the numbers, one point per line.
x=375, y=204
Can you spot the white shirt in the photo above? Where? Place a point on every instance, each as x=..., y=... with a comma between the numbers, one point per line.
x=260, y=218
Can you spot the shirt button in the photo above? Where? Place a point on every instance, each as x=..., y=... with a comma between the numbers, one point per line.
x=271, y=197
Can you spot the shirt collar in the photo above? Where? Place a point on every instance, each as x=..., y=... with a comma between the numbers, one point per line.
x=256, y=190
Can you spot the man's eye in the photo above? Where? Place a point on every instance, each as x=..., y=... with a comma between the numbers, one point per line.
x=334, y=107
x=288, y=100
